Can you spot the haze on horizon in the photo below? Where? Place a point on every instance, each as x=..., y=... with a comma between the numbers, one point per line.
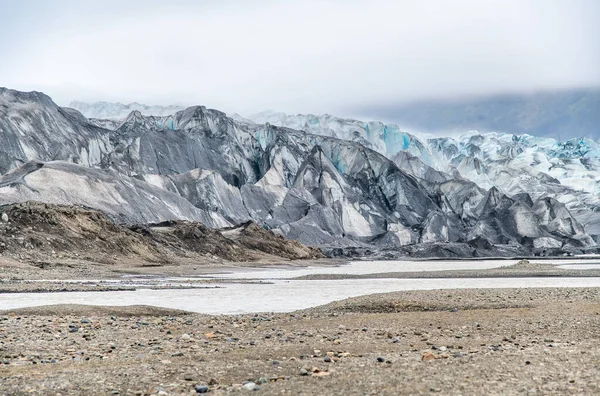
x=336, y=57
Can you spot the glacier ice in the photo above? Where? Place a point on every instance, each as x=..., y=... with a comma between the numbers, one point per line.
x=320, y=179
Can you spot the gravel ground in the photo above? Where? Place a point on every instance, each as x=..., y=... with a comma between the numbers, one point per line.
x=12, y=270
x=501, y=341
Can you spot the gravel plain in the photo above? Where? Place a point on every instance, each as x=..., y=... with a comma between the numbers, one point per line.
x=488, y=341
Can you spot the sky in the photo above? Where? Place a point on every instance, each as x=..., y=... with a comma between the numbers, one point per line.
x=296, y=56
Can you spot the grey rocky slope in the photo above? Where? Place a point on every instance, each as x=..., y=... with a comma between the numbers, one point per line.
x=199, y=164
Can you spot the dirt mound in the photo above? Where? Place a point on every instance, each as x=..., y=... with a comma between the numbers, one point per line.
x=37, y=232
x=254, y=237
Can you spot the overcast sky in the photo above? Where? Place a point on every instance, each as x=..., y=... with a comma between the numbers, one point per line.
x=296, y=56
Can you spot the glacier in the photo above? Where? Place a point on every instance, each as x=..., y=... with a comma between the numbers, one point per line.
x=323, y=180
x=118, y=111
x=567, y=171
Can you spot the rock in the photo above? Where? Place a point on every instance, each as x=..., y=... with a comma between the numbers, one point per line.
x=427, y=356
x=185, y=337
x=327, y=359
x=303, y=372
x=4, y=217
x=201, y=389
x=251, y=386
x=380, y=359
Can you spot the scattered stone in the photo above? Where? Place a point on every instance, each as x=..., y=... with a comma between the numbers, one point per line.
x=251, y=386
x=201, y=389
x=427, y=356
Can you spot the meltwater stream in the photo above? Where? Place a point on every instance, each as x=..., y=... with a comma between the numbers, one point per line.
x=281, y=295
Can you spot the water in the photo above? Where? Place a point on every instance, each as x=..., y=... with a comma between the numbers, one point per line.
x=279, y=296
x=580, y=266
x=365, y=267
x=378, y=267
x=284, y=294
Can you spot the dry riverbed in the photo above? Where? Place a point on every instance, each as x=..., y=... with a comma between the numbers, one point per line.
x=501, y=341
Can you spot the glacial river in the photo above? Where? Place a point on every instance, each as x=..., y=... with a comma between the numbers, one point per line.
x=278, y=294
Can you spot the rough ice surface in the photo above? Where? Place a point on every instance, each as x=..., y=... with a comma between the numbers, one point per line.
x=319, y=179
x=118, y=111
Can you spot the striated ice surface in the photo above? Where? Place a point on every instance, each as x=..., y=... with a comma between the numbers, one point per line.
x=319, y=179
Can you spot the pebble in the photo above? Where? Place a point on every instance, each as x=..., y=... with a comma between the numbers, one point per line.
x=201, y=389
x=251, y=386
x=427, y=356
x=380, y=359
x=5, y=217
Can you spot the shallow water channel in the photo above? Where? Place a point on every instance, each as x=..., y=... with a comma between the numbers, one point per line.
x=279, y=294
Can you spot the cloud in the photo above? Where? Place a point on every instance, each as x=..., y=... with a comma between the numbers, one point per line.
x=309, y=56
